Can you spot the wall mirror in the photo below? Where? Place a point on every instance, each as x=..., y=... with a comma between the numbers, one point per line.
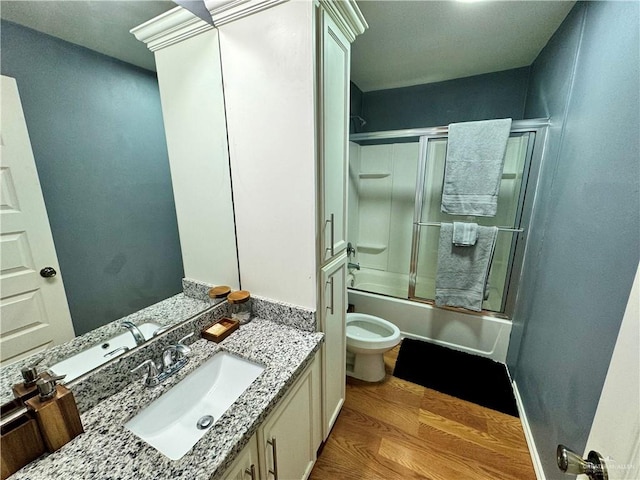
x=90, y=99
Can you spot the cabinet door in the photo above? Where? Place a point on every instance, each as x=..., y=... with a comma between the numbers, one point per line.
x=246, y=466
x=287, y=437
x=332, y=322
x=334, y=110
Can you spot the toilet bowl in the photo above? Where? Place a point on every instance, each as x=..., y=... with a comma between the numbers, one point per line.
x=368, y=338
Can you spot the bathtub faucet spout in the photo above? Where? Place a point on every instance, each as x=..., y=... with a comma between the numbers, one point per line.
x=353, y=265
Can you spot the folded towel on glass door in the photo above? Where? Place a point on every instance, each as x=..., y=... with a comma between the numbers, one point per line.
x=462, y=273
x=465, y=234
x=473, y=168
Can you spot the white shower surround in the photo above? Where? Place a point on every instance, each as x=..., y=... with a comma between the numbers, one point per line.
x=476, y=334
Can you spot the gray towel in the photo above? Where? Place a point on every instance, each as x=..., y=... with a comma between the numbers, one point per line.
x=465, y=234
x=473, y=169
x=463, y=271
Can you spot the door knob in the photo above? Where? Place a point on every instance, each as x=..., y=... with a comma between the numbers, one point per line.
x=48, y=272
x=573, y=464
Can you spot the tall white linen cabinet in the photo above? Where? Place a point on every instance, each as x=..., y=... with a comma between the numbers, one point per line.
x=256, y=109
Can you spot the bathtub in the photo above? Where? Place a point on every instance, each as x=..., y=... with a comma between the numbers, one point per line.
x=378, y=281
x=477, y=334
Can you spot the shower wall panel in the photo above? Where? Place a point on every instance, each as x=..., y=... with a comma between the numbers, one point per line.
x=386, y=195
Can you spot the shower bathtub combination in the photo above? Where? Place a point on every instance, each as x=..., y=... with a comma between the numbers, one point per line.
x=395, y=188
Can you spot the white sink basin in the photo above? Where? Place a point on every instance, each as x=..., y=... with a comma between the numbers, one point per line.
x=93, y=357
x=175, y=422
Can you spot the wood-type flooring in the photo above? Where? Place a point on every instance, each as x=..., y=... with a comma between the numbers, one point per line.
x=400, y=430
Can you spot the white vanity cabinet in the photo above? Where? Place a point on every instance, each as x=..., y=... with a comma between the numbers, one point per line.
x=333, y=305
x=246, y=465
x=285, y=445
x=288, y=439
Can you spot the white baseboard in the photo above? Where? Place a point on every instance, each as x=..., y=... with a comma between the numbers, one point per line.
x=535, y=458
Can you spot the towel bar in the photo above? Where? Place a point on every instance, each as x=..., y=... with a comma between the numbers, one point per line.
x=500, y=229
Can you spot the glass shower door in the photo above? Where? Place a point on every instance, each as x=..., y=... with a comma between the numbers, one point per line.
x=427, y=217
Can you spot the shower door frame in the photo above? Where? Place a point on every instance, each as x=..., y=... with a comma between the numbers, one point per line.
x=535, y=152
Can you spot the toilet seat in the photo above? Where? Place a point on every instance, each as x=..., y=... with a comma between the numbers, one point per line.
x=369, y=332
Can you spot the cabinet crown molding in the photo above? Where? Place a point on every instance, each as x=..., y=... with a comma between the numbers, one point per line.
x=178, y=24
x=171, y=27
x=226, y=11
x=347, y=16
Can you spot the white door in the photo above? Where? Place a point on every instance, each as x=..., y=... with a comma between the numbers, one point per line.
x=34, y=313
x=615, y=432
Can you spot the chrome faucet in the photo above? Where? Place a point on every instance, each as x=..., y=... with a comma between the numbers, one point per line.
x=174, y=357
x=351, y=250
x=135, y=331
x=174, y=354
x=353, y=265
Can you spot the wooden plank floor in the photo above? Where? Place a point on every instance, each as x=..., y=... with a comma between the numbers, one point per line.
x=400, y=430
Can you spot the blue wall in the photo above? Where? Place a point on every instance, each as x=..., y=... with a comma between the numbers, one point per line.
x=98, y=139
x=585, y=232
x=481, y=97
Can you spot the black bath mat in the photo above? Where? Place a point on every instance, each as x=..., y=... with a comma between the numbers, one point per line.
x=476, y=379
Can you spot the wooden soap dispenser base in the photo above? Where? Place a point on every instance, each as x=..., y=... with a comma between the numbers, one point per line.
x=56, y=412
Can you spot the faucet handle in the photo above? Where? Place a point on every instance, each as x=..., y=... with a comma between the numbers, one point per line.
x=176, y=352
x=160, y=330
x=180, y=348
x=152, y=369
x=183, y=339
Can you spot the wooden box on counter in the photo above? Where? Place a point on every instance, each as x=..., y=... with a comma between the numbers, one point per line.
x=20, y=443
x=220, y=330
x=57, y=417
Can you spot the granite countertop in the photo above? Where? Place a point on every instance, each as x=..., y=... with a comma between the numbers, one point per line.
x=107, y=450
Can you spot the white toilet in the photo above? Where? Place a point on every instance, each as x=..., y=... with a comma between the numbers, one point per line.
x=368, y=338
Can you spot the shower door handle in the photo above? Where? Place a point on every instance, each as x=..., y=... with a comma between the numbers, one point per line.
x=330, y=307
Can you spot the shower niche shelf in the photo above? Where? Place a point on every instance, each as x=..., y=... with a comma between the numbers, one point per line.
x=371, y=247
x=374, y=175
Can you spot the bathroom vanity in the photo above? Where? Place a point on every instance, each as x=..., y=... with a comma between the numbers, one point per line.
x=274, y=424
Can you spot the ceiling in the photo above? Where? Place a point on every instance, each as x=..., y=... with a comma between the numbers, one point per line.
x=407, y=43
x=414, y=42
x=100, y=25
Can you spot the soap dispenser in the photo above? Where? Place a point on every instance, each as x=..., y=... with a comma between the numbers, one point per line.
x=27, y=389
x=56, y=412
